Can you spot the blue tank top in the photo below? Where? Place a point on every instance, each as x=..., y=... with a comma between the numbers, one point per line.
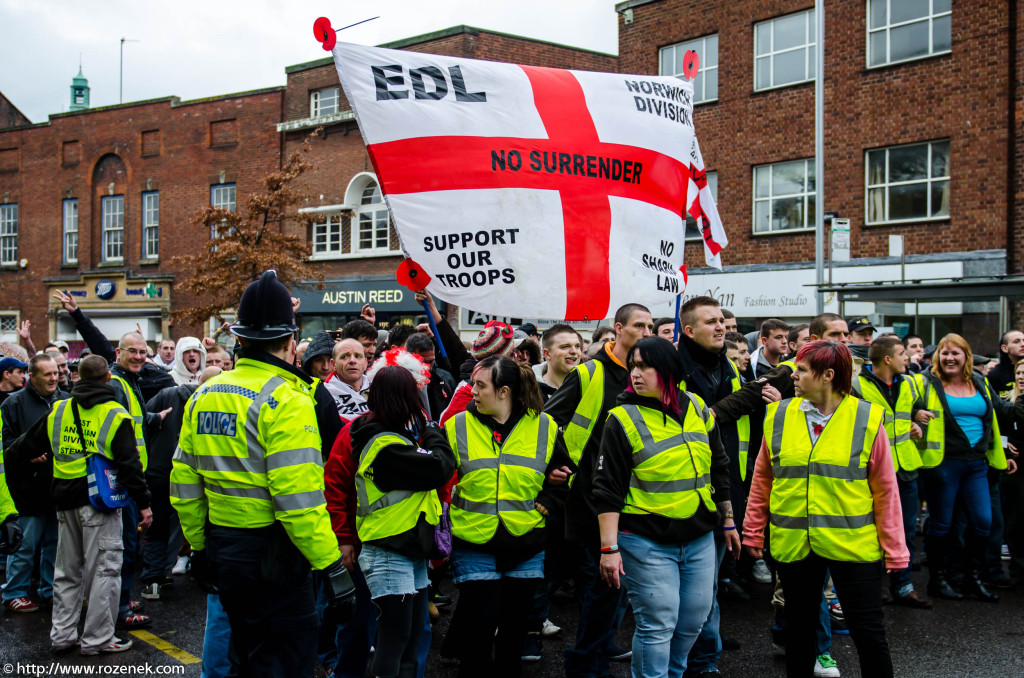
x=968, y=413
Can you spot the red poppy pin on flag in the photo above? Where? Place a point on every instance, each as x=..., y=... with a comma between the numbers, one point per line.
x=534, y=192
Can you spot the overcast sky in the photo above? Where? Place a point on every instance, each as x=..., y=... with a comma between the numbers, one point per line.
x=196, y=49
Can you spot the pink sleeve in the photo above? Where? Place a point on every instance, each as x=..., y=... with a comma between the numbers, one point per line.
x=756, y=518
x=886, y=496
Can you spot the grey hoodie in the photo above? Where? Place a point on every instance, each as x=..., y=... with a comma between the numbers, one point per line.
x=179, y=372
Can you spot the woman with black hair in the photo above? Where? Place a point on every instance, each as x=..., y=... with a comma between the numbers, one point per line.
x=506, y=450
x=403, y=458
x=661, y=461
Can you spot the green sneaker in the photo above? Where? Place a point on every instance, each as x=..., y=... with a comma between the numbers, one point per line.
x=826, y=667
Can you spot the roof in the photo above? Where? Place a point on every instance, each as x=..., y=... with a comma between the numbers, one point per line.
x=437, y=35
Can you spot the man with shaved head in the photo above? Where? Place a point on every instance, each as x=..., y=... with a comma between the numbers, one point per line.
x=347, y=382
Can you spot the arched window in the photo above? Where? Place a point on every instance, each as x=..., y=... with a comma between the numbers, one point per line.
x=373, y=232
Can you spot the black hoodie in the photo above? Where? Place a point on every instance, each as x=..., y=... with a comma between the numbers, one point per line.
x=612, y=476
x=426, y=465
x=580, y=516
x=72, y=493
x=1001, y=376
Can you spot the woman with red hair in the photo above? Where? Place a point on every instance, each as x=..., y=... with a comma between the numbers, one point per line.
x=824, y=479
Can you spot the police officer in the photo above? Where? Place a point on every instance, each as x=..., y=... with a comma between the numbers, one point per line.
x=247, y=483
x=825, y=477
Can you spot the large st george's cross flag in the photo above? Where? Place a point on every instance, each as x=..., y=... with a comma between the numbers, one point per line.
x=533, y=192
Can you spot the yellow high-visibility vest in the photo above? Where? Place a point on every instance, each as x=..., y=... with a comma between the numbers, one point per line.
x=498, y=483
x=820, y=499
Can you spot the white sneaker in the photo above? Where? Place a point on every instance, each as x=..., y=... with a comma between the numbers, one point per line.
x=761, y=573
x=151, y=591
x=181, y=566
x=825, y=667
x=550, y=629
x=115, y=645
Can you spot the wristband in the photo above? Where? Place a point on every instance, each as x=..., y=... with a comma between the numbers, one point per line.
x=610, y=549
x=733, y=527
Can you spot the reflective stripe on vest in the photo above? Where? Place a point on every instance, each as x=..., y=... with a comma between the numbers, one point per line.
x=904, y=452
x=671, y=463
x=584, y=419
x=99, y=424
x=138, y=415
x=933, y=445
x=498, y=483
x=229, y=454
x=820, y=499
x=382, y=514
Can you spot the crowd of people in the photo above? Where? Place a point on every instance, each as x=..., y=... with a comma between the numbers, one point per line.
x=321, y=491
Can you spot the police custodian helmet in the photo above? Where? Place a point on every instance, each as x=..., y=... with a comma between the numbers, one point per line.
x=265, y=311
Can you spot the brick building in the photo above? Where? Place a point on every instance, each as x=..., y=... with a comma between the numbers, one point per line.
x=923, y=122
x=923, y=116
x=97, y=201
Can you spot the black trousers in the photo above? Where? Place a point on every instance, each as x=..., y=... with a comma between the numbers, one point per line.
x=859, y=587
x=266, y=587
x=486, y=606
x=1011, y=487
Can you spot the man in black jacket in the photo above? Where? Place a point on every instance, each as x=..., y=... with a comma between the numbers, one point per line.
x=89, y=541
x=163, y=539
x=601, y=606
x=1011, y=351
x=30, y=487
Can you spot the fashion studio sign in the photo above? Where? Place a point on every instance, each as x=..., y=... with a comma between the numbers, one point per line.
x=758, y=294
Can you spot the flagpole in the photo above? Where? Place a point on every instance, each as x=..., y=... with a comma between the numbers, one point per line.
x=819, y=155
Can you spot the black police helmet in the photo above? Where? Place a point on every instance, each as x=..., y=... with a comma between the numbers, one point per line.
x=265, y=311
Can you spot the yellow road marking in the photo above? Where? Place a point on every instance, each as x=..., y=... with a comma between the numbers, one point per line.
x=165, y=647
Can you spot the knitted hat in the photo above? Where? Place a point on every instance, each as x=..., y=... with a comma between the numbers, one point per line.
x=494, y=339
x=321, y=344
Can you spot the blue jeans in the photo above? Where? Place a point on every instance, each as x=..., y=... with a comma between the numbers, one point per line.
x=969, y=479
x=707, y=649
x=899, y=582
x=38, y=532
x=346, y=647
x=670, y=587
x=216, y=640
x=130, y=535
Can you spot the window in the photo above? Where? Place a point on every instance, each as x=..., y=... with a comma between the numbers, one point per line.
x=323, y=102
x=112, y=210
x=9, y=234
x=692, y=229
x=784, y=196
x=222, y=196
x=705, y=85
x=784, y=51
x=9, y=327
x=327, y=236
x=374, y=232
x=71, y=231
x=151, y=225
x=900, y=30
x=908, y=183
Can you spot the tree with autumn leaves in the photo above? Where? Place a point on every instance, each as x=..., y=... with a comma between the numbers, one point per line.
x=248, y=244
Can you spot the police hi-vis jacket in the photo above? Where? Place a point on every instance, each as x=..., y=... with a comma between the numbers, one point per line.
x=249, y=455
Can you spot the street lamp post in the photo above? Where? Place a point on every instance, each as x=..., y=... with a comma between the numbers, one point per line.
x=120, y=97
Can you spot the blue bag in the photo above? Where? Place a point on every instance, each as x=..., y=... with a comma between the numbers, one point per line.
x=106, y=494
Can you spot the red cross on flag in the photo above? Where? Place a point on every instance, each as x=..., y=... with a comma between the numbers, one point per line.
x=533, y=192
